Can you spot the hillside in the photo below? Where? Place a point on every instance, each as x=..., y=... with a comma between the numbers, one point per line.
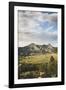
x=34, y=49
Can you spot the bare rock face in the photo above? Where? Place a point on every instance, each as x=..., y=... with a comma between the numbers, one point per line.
x=32, y=49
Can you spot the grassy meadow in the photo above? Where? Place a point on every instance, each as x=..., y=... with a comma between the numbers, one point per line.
x=37, y=66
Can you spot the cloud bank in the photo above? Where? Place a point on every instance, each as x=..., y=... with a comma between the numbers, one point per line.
x=37, y=27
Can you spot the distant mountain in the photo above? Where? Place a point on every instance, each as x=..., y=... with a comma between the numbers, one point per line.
x=33, y=49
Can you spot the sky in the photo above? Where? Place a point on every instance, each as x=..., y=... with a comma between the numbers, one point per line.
x=37, y=27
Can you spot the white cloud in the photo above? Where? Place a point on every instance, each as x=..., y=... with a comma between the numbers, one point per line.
x=30, y=30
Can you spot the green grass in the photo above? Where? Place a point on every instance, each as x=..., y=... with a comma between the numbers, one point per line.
x=37, y=59
x=36, y=66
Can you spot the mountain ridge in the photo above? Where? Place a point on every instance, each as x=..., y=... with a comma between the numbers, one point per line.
x=33, y=49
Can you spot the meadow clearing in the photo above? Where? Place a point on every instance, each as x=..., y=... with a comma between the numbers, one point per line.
x=35, y=66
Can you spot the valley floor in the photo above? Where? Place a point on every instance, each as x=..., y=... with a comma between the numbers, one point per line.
x=37, y=66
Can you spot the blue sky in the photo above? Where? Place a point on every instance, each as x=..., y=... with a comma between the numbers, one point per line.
x=37, y=27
